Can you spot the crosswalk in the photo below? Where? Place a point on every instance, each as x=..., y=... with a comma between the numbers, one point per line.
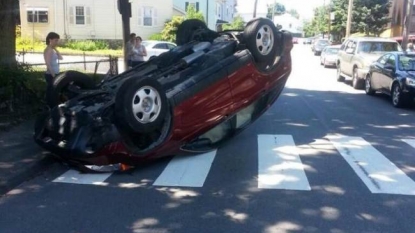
x=280, y=167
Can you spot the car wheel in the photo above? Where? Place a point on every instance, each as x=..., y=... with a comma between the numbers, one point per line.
x=68, y=85
x=324, y=63
x=356, y=82
x=368, y=85
x=260, y=35
x=398, y=98
x=141, y=105
x=340, y=78
x=186, y=30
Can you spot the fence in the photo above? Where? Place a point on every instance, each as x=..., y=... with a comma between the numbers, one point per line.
x=89, y=64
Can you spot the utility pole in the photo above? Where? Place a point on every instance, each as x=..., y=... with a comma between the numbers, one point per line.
x=256, y=3
x=124, y=7
x=408, y=22
x=349, y=18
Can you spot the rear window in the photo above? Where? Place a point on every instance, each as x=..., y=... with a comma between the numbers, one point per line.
x=378, y=47
x=323, y=42
x=332, y=50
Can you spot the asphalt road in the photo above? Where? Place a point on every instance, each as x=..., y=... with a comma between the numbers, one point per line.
x=348, y=158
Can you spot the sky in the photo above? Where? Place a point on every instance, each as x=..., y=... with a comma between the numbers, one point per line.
x=303, y=7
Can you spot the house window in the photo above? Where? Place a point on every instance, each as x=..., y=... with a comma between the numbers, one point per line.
x=147, y=16
x=194, y=4
x=37, y=15
x=79, y=15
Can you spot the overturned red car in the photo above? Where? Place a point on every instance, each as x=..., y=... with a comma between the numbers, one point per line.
x=188, y=100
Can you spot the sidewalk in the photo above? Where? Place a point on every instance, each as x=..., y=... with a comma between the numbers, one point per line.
x=20, y=157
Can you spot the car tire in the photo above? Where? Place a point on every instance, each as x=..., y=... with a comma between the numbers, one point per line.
x=324, y=63
x=69, y=80
x=368, y=85
x=340, y=78
x=40, y=122
x=259, y=36
x=356, y=82
x=140, y=105
x=186, y=30
x=397, y=97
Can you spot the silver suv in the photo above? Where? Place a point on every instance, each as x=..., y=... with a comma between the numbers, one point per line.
x=356, y=55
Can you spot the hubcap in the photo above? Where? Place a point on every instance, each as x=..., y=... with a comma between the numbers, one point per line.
x=396, y=95
x=146, y=104
x=265, y=40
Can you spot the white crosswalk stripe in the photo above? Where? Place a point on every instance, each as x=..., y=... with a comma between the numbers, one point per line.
x=186, y=171
x=279, y=164
x=378, y=173
x=75, y=177
x=411, y=142
x=279, y=167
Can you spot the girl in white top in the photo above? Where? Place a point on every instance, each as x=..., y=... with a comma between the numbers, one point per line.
x=51, y=56
x=139, y=52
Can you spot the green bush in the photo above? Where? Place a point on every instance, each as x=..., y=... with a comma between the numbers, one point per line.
x=28, y=44
x=86, y=45
x=157, y=36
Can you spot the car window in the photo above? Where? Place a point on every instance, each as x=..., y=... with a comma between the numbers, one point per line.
x=382, y=60
x=377, y=47
x=407, y=62
x=391, y=61
x=161, y=46
x=171, y=46
x=351, y=45
x=332, y=50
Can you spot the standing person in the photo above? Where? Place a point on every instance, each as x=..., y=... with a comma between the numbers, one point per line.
x=51, y=56
x=410, y=47
x=139, y=52
x=130, y=46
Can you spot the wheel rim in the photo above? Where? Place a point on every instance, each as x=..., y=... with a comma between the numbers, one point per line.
x=367, y=85
x=264, y=40
x=146, y=104
x=396, y=95
x=354, y=78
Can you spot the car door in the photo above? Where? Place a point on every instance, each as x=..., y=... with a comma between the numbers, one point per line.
x=389, y=73
x=377, y=72
x=348, y=57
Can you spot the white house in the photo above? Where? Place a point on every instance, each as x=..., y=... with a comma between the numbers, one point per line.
x=214, y=11
x=91, y=19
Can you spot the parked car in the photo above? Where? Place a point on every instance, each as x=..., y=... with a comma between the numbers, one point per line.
x=328, y=56
x=357, y=54
x=393, y=74
x=295, y=40
x=307, y=41
x=155, y=48
x=319, y=45
x=190, y=99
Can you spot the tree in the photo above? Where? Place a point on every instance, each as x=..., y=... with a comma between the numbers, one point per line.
x=294, y=13
x=8, y=30
x=192, y=13
x=237, y=24
x=279, y=9
x=170, y=27
x=371, y=16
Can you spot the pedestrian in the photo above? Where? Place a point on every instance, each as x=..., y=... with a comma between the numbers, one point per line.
x=139, y=52
x=51, y=56
x=129, y=47
x=410, y=47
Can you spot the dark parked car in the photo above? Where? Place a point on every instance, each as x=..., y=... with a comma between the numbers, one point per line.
x=307, y=41
x=187, y=100
x=393, y=74
x=319, y=45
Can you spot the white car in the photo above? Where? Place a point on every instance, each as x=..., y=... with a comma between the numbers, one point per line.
x=328, y=56
x=155, y=48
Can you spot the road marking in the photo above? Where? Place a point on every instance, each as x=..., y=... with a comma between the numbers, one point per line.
x=75, y=177
x=279, y=164
x=378, y=173
x=186, y=171
x=411, y=142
